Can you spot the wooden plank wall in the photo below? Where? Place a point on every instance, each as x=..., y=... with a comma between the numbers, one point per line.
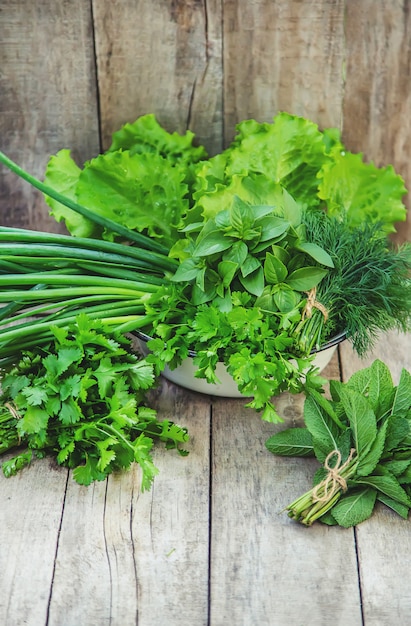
x=73, y=71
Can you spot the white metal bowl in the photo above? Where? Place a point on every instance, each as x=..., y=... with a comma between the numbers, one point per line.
x=184, y=374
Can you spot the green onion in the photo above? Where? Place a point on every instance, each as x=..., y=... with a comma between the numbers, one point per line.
x=141, y=240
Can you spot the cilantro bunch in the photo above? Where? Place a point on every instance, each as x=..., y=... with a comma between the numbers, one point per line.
x=81, y=398
x=362, y=438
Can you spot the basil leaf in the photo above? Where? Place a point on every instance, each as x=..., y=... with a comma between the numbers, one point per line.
x=186, y=271
x=254, y=282
x=249, y=265
x=237, y=253
x=227, y=270
x=305, y=278
x=212, y=242
x=285, y=298
x=272, y=227
x=316, y=252
x=274, y=270
x=292, y=211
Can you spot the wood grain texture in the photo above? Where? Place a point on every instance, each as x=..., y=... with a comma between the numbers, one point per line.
x=30, y=513
x=47, y=97
x=127, y=557
x=161, y=57
x=383, y=540
x=283, y=55
x=377, y=95
x=265, y=568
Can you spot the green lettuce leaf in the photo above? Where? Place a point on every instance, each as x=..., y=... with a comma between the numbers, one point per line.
x=358, y=191
x=142, y=191
x=62, y=174
x=146, y=135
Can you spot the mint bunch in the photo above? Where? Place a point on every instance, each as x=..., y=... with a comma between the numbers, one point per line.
x=362, y=438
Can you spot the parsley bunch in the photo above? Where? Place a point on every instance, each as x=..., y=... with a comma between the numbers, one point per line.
x=256, y=348
x=81, y=398
x=362, y=438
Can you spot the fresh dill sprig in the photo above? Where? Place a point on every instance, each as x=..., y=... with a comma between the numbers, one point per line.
x=369, y=289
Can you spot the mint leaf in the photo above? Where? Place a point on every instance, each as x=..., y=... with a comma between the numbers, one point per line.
x=398, y=428
x=323, y=429
x=369, y=461
x=355, y=507
x=291, y=442
x=387, y=485
x=361, y=418
x=401, y=509
x=402, y=398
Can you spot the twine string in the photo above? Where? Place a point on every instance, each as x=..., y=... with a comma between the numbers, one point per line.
x=334, y=480
x=312, y=303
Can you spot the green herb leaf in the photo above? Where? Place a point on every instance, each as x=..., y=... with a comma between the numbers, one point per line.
x=387, y=485
x=34, y=420
x=355, y=507
x=305, y=278
x=369, y=460
x=401, y=509
x=274, y=270
x=323, y=429
x=361, y=418
x=316, y=252
x=402, y=398
x=291, y=442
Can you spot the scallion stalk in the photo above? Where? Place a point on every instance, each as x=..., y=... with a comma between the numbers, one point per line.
x=141, y=240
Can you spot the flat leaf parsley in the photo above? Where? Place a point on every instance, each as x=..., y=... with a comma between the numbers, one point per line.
x=81, y=398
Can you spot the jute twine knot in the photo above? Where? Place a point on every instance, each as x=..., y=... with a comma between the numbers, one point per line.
x=13, y=410
x=333, y=481
x=312, y=303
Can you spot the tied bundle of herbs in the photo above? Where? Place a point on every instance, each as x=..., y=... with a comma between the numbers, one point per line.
x=81, y=398
x=368, y=290
x=362, y=438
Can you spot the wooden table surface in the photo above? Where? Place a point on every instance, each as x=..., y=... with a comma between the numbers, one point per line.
x=209, y=544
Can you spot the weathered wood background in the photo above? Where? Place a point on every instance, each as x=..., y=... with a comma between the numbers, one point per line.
x=73, y=71
x=207, y=546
